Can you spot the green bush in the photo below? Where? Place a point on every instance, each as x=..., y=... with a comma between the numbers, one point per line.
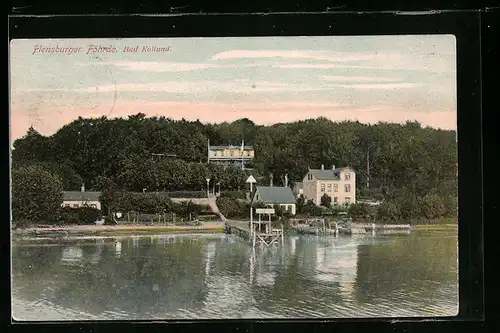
x=326, y=200
x=233, y=208
x=79, y=216
x=233, y=194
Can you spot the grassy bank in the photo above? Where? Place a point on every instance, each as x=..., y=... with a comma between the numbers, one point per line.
x=114, y=230
x=436, y=227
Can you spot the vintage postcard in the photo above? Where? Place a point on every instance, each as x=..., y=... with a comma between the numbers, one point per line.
x=221, y=178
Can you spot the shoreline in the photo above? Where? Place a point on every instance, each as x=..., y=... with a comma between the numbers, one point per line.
x=110, y=230
x=435, y=227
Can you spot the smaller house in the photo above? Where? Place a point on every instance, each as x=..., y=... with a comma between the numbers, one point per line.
x=77, y=199
x=271, y=195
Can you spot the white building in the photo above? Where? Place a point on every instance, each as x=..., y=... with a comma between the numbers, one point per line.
x=77, y=199
x=229, y=155
x=338, y=183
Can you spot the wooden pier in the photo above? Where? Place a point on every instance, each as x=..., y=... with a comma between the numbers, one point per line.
x=372, y=228
x=321, y=226
x=315, y=227
x=256, y=232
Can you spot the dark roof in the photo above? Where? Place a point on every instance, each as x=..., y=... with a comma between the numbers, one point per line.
x=230, y=147
x=81, y=196
x=328, y=174
x=277, y=195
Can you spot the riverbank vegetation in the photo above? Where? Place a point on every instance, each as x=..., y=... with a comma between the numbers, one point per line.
x=411, y=169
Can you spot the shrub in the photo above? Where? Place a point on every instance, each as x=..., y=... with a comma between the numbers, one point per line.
x=79, y=216
x=432, y=206
x=232, y=207
x=388, y=211
x=326, y=200
x=233, y=194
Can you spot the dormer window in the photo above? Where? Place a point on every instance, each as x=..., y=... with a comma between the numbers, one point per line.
x=347, y=176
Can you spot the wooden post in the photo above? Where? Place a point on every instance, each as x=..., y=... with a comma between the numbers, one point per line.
x=282, y=235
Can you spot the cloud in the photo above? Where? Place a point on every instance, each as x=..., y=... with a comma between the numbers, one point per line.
x=152, y=66
x=305, y=54
x=237, y=86
x=378, y=85
x=434, y=62
x=337, y=78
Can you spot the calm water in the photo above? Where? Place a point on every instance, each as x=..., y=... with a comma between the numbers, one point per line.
x=219, y=277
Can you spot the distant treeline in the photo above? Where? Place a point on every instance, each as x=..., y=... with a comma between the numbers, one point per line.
x=398, y=160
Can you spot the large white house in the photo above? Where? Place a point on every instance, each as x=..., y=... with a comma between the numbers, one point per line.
x=229, y=155
x=338, y=183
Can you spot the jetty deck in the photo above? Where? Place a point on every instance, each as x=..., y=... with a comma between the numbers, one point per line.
x=260, y=233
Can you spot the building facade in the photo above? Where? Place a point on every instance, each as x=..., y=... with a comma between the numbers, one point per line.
x=229, y=155
x=338, y=183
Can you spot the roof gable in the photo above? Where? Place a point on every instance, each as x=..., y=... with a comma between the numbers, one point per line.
x=325, y=174
x=275, y=195
x=81, y=196
x=328, y=174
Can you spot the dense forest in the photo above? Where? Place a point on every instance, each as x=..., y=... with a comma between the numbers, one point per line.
x=396, y=162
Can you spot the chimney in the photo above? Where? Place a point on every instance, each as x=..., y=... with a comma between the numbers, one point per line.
x=333, y=167
x=322, y=167
x=83, y=187
x=271, y=180
x=286, y=180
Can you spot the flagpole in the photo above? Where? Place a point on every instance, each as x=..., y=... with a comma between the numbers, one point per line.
x=242, y=149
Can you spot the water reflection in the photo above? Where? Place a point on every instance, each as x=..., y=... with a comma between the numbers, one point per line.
x=71, y=255
x=218, y=276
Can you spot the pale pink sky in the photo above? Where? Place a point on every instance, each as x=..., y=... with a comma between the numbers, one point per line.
x=268, y=80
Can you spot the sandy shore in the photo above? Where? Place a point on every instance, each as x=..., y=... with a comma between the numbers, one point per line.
x=119, y=229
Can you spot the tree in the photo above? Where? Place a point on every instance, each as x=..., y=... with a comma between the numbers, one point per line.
x=361, y=210
x=301, y=201
x=406, y=161
x=388, y=211
x=432, y=206
x=36, y=194
x=326, y=201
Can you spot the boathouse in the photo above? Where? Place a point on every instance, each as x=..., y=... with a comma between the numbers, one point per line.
x=274, y=195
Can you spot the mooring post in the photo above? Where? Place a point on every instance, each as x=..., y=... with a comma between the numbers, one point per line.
x=282, y=235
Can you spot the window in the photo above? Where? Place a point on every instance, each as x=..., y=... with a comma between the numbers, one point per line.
x=347, y=187
x=93, y=205
x=347, y=200
x=335, y=187
x=215, y=153
x=336, y=200
x=221, y=153
x=322, y=187
x=231, y=152
x=347, y=176
x=329, y=187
